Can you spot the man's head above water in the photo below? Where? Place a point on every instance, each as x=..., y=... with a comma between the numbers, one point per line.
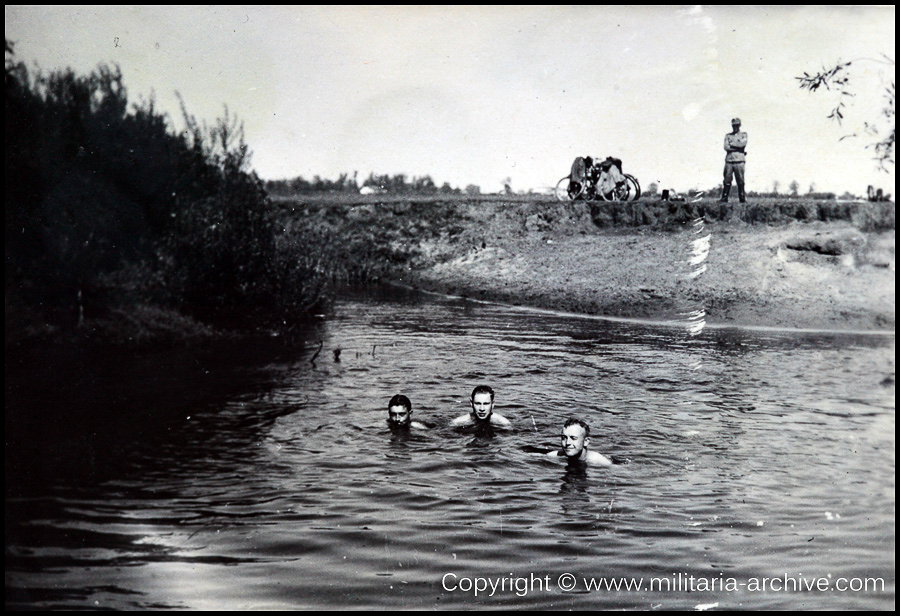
x=482, y=413
x=574, y=441
x=482, y=403
x=400, y=414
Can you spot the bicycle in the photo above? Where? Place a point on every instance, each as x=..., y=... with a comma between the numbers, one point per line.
x=590, y=181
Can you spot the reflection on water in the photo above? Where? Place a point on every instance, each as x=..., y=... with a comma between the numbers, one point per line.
x=255, y=479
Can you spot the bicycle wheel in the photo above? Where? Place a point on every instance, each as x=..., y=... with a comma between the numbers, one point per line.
x=628, y=190
x=562, y=190
x=567, y=190
x=635, y=187
x=590, y=193
x=620, y=193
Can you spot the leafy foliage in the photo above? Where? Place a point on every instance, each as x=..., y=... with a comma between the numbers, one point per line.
x=108, y=205
x=839, y=79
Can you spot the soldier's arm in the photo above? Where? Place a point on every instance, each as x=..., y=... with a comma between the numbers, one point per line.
x=735, y=144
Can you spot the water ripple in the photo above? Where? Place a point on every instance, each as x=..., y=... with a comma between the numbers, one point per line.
x=290, y=491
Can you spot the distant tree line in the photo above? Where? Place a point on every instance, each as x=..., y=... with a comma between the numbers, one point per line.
x=823, y=196
x=109, y=207
x=300, y=185
x=794, y=193
x=346, y=183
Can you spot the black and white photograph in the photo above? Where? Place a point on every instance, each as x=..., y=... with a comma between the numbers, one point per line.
x=450, y=307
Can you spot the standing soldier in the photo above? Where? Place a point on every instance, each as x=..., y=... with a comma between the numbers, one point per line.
x=735, y=160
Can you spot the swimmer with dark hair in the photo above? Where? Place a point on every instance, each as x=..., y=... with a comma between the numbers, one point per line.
x=482, y=413
x=400, y=414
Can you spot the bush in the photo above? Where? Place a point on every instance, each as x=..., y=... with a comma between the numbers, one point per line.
x=97, y=191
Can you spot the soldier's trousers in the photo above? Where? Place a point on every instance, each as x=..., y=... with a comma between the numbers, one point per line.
x=737, y=170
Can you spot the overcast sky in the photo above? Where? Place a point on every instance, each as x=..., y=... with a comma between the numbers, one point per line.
x=478, y=94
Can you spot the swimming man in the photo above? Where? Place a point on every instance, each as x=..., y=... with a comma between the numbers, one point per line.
x=575, y=437
x=400, y=414
x=482, y=413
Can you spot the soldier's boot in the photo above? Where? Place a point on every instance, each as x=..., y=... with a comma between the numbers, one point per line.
x=741, y=197
x=725, y=190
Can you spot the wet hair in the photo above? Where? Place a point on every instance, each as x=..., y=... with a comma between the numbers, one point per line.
x=483, y=389
x=574, y=421
x=400, y=400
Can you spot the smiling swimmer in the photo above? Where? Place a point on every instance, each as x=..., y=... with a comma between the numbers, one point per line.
x=575, y=438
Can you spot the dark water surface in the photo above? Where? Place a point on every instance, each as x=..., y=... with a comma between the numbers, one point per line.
x=250, y=480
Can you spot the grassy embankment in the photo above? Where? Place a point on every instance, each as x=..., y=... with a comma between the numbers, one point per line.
x=790, y=262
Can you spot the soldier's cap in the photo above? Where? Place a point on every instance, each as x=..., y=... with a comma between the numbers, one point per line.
x=735, y=121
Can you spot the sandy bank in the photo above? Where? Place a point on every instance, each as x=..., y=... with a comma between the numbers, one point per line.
x=802, y=275
x=753, y=277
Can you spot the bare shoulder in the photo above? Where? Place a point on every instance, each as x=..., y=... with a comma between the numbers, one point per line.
x=462, y=420
x=418, y=426
x=595, y=457
x=500, y=420
x=553, y=454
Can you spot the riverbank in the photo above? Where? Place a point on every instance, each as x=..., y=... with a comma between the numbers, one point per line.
x=811, y=274
x=834, y=269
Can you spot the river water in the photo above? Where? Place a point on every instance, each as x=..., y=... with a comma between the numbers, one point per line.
x=241, y=479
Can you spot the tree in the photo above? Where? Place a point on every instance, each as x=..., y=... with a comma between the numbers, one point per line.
x=108, y=208
x=775, y=186
x=794, y=188
x=424, y=185
x=840, y=78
